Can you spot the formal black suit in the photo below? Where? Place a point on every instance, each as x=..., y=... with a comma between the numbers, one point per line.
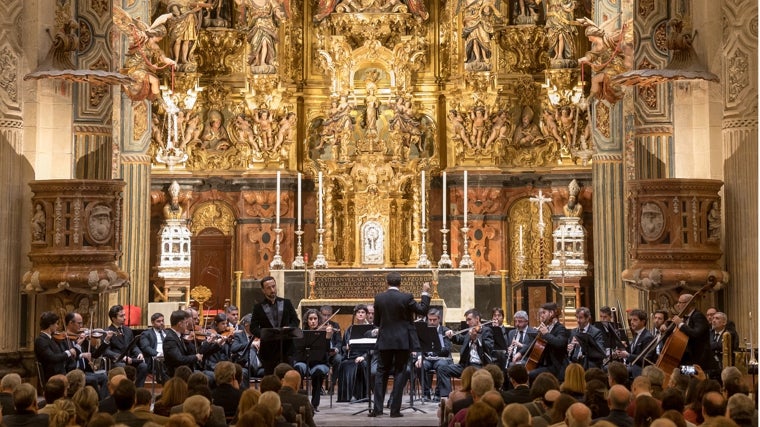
x=640, y=342
x=120, y=340
x=716, y=344
x=484, y=348
x=98, y=380
x=524, y=338
x=277, y=314
x=176, y=353
x=148, y=344
x=698, y=351
x=394, y=316
x=555, y=353
x=433, y=361
x=51, y=356
x=519, y=394
x=590, y=351
x=26, y=419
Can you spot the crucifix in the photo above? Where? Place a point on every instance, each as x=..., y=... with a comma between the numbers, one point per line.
x=540, y=199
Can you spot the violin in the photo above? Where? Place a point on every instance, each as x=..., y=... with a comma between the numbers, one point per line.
x=64, y=335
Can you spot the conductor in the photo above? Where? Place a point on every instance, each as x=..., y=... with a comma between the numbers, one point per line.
x=397, y=336
x=273, y=312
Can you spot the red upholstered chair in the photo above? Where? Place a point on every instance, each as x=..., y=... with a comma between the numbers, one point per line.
x=133, y=315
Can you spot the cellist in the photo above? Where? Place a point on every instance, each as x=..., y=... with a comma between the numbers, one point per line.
x=557, y=337
x=694, y=324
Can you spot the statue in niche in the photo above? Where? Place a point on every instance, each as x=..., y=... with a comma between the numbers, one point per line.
x=527, y=133
x=652, y=221
x=172, y=208
x=38, y=223
x=339, y=122
x=183, y=32
x=406, y=126
x=573, y=208
x=262, y=19
x=372, y=243
x=561, y=33
x=478, y=119
x=480, y=17
x=371, y=103
x=218, y=15
x=566, y=125
x=524, y=12
x=611, y=54
x=264, y=128
x=714, y=223
x=214, y=136
x=144, y=55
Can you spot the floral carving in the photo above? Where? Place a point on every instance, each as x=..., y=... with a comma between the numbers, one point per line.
x=8, y=73
x=738, y=74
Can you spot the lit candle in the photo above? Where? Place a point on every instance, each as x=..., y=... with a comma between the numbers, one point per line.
x=299, y=200
x=443, y=206
x=423, y=199
x=521, y=240
x=319, y=195
x=277, y=213
x=465, y=198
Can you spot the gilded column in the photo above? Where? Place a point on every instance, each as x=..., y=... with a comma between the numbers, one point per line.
x=740, y=136
x=14, y=227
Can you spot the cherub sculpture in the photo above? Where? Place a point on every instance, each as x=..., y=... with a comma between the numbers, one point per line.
x=144, y=56
x=611, y=54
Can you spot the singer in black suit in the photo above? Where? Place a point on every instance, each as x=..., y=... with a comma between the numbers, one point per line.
x=122, y=338
x=273, y=312
x=49, y=353
x=176, y=352
x=394, y=316
x=641, y=340
x=556, y=336
x=695, y=325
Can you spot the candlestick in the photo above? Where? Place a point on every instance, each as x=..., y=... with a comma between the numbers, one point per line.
x=422, y=196
x=465, y=199
x=319, y=196
x=299, y=200
x=423, y=262
x=443, y=195
x=466, y=261
x=277, y=263
x=277, y=211
x=445, y=261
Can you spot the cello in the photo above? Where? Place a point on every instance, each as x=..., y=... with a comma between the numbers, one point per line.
x=536, y=348
x=675, y=343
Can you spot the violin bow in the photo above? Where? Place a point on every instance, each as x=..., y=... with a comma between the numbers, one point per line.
x=328, y=319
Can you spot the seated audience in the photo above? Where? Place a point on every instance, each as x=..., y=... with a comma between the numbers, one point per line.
x=25, y=402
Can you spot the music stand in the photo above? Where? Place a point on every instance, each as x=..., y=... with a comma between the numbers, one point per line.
x=368, y=345
x=612, y=332
x=589, y=348
x=311, y=348
x=286, y=333
x=127, y=349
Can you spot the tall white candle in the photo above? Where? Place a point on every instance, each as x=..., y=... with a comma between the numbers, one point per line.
x=299, y=200
x=443, y=205
x=465, y=198
x=319, y=195
x=423, y=199
x=277, y=214
x=521, y=240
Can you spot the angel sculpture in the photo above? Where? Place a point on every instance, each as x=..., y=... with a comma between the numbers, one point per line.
x=611, y=54
x=144, y=56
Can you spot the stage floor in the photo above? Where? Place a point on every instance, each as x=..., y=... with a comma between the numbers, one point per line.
x=340, y=415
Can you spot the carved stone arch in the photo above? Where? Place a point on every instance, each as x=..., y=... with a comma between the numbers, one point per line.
x=372, y=55
x=215, y=214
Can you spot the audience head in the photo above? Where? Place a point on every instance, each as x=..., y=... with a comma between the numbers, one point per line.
x=560, y=407
x=281, y=369
x=619, y=398
x=55, y=388
x=656, y=375
x=495, y=399
x=467, y=378
x=596, y=398
x=641, y=385
x=271, y=400
x=270, y=383
x=104, y=419
x=482, y=382
x=518, y=374
x=63, y=413
x=543, y=383
x=124, y=395
x=114, y=382
x=77, y=381
x=25, y=397
x=143, y=397
x=180, y=420
x=86, y=402
x=183, y=372
x=617, y=373
x=647, y=410
x=224, y=372
x=292, y=379
x=740, y=407
x=130, y=372
x=515, y=415
x=252, y=418
x=199, y=407
x=266, y=412
x=174, y=392
x=672, y=399
x=596, y=374
x=675, y=416
x=248, y=399
x=575, y=380
x=481, y=414
x=116, y=370
x=10, y=382
x=497, y=375
x=662, y=422
x=578, y=415
x=713, y=405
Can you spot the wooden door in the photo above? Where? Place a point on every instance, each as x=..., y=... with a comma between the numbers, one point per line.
x=211, y=265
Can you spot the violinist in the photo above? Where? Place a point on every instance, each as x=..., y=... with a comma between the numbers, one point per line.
x=152, y=346
x=233, y=314
x=334, y=355
x=315, y=364
x=477, y=345
x=611, y=332
x=244, y=351
x=218, y=347
x=694, y=324
x=556, y=336
x=77, y=339
x=176, y=351
x=49, y=353
x=123, y=342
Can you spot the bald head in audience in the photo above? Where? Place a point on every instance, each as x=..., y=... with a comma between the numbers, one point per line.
x=515, y=414
x=292, y=379
x=662, y=422
x=578, y=415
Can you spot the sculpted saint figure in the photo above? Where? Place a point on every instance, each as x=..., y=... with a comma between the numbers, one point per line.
x=478, y=23
x=172, y=208
x=573, y=208
x=38, y=224
x=214, y=135
x=560, y=31
x=527, y=133
x=263, y=18
x=183, y=29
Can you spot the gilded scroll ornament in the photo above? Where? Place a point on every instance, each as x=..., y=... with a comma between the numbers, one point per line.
x=213, y=214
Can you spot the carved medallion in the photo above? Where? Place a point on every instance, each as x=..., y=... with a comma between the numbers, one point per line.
x=99, y=224
x=652, y=221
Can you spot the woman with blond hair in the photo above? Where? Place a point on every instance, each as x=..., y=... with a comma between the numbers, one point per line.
x=575, y=381
x=64, y=414
x=86, y=404
x=174, y=393
x=248, y=400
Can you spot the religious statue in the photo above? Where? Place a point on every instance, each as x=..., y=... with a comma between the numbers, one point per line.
x=527, y=133
x=264, y=128
x=478, y=119
x=262, y=18
x=99, y=224
x=406, y=126
x=172, y=208
x=611, y=54
x=713, y=223
x=214, y=136
x=191, y=130
x=218, y=15
x=38, y=224
x=144, y=55
x=183, y=31
x=457, y=127
x=480, y=17
x=561, y=33
x=566, y=124
x=371, y=103
x=499, y=127
x=573, y=208
x=326, y=7
x=65, y=42
x=285, y=132
x=549, y=127
x=242, y=130
x=339, y=118
x=525, y=12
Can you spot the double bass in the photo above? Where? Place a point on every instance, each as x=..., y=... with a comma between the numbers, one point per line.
x=676, y=342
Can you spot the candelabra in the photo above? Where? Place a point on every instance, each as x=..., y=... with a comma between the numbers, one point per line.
x=423, y=262
x=466, y=261
x=320, y=262
x=435, y=284
x=277, y=263
x=298, y=262
x=445, y=261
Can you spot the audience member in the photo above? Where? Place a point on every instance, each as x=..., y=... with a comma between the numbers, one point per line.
x=107, y=404
x=575, y=381
x=656, y=379
x=520, y=391
x=174, y=393
x=199, y=407
x=618, y=401
x=578, y=415
x=596, y=398
x=77, y=381
x=647, y=410
x=142, y=410
x=742, y=410
x=272, y=400
x=617, y=373
x=180, y=420
x=227, y=392
x=54, y=389
x=63, y=413
x=25, y=402
x=124, y=399
x=676, y=417
x=713, y=405
x=515, y=415
x=299, y=402
x=480, y=414
x=86, y=402
x=7, y=385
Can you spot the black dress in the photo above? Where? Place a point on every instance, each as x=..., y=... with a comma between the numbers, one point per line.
x=352, y=381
